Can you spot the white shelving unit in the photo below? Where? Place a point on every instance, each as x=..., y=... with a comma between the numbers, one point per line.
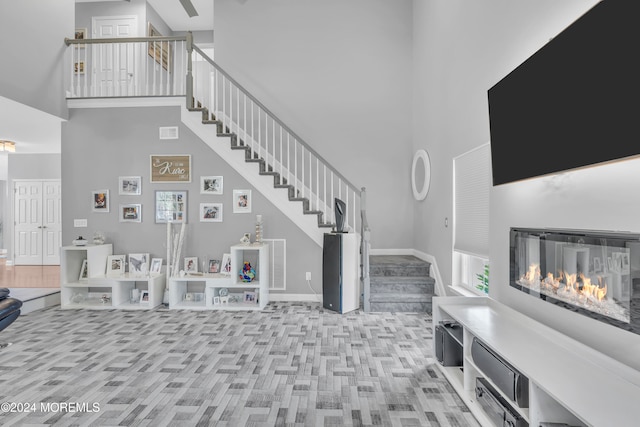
x=569, y=382
x=89, y=292
x=200, y=291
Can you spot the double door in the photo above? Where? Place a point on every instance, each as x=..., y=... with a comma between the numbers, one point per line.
x=37, y=219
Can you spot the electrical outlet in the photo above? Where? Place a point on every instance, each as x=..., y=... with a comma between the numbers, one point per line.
x=308, y=275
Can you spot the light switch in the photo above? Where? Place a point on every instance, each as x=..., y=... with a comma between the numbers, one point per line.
x=79, y=223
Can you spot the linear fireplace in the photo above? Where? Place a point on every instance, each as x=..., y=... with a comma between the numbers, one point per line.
x=593, y=273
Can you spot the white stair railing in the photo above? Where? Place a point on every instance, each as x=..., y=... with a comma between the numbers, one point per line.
x=266, y=137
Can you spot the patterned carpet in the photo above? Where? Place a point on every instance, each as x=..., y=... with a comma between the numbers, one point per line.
x=293, y=364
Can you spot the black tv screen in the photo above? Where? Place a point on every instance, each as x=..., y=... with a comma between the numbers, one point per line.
x=573, y=103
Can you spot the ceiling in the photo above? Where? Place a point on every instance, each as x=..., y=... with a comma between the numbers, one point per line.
x=17, y=120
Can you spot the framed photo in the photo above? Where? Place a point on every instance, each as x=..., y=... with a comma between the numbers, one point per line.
x=191, y=264
x=211, y=185
x=210, y=212
x=597, y=265
x=131, y=213
x=138, y=264
x=84, y=272
x=156, y=266
x=170, y=168
x=226, y=264
x=115, y=265
x=78, y=67
x=216, y=300
x=130, y=185
x=144, y=297
x=100, y=201
x=171, y=206
x=241, y=201
x=80, y=34
x=250, y=297
x=214, y=266
x=160, y=51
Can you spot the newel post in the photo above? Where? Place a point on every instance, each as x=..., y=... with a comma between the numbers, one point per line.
x=190, y=102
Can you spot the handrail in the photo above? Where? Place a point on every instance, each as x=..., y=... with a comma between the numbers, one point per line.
x=273, y=116
x=69, y=41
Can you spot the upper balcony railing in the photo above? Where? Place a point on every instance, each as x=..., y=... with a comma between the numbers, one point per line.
x=126, y=67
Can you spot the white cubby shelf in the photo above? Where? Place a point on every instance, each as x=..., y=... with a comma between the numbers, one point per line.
x=89, y=292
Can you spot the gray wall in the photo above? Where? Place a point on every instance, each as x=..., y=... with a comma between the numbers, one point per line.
x=32, y=34
x=99, y=145
x=339, y=74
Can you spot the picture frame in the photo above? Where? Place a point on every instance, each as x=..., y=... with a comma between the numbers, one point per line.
x=214, y=266
x=160, y=51
x=138, y=265
x=241, y=201
x=213, y=185
x=225, y=266
x=78, y=67
x=115, y=265
x=170, y=168
x=211, y=212
x=156, y=266
x=131, y=213
x=130, y=185
x=100, y=201
x=144, y=297
x=216, y=300
x=171, y=206
x=191, y=264
x=597, y=265
x=80, y=34
x=84, y=272
x=250, y=297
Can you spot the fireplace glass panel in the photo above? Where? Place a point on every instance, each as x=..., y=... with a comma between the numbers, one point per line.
x=592, y=273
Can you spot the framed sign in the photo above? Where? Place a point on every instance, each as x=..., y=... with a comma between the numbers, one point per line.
x=171, y=206
x=170, y=168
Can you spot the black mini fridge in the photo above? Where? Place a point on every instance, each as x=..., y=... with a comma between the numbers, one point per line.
x=340, y=281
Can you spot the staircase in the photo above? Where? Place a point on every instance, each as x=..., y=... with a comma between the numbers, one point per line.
x=400, y=283
x=265, y=169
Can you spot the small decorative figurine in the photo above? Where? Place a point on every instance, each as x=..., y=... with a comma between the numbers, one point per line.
x=246, y=238
x=248, y=273
x=98, y=238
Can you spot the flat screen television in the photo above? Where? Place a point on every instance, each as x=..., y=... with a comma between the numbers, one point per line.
x=573, y=103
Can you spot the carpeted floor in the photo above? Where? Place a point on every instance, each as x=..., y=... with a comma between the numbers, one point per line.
x=293, y=364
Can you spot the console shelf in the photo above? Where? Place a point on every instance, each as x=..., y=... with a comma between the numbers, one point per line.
x=569, y=382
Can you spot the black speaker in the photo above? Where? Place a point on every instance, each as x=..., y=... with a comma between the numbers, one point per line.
x=449, y=343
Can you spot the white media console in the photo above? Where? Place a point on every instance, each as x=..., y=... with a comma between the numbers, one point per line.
x=569, y=382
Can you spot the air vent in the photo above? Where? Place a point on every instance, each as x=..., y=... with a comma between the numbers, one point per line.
x=277, y=263
x=169, y=132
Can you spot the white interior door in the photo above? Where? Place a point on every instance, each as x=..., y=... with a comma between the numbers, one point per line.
x=114, y=65
x=51, y=222
x=37, y=222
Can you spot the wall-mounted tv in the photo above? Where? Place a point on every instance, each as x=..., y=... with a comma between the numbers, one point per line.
x=575, y=102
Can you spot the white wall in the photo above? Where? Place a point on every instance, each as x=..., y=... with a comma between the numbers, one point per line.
x=32, y=34
x=460, y=50
x=338, y=73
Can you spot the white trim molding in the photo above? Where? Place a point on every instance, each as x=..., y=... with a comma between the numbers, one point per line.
x=295, y=297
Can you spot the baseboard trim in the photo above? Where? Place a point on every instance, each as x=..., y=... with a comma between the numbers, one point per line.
x=295, y=297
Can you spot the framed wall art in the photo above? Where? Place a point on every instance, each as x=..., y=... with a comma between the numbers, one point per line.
x=80, y=34
x=156, y=266
x=100, y=201
x=131, y=213
x=160, y=51
x=241, y=201
x=78, y=67
x=210, y=212
x=138, y=264
x=115, y=265
x=211, y=185
x=170, y=168
x=171, y=206
x=130, y=185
